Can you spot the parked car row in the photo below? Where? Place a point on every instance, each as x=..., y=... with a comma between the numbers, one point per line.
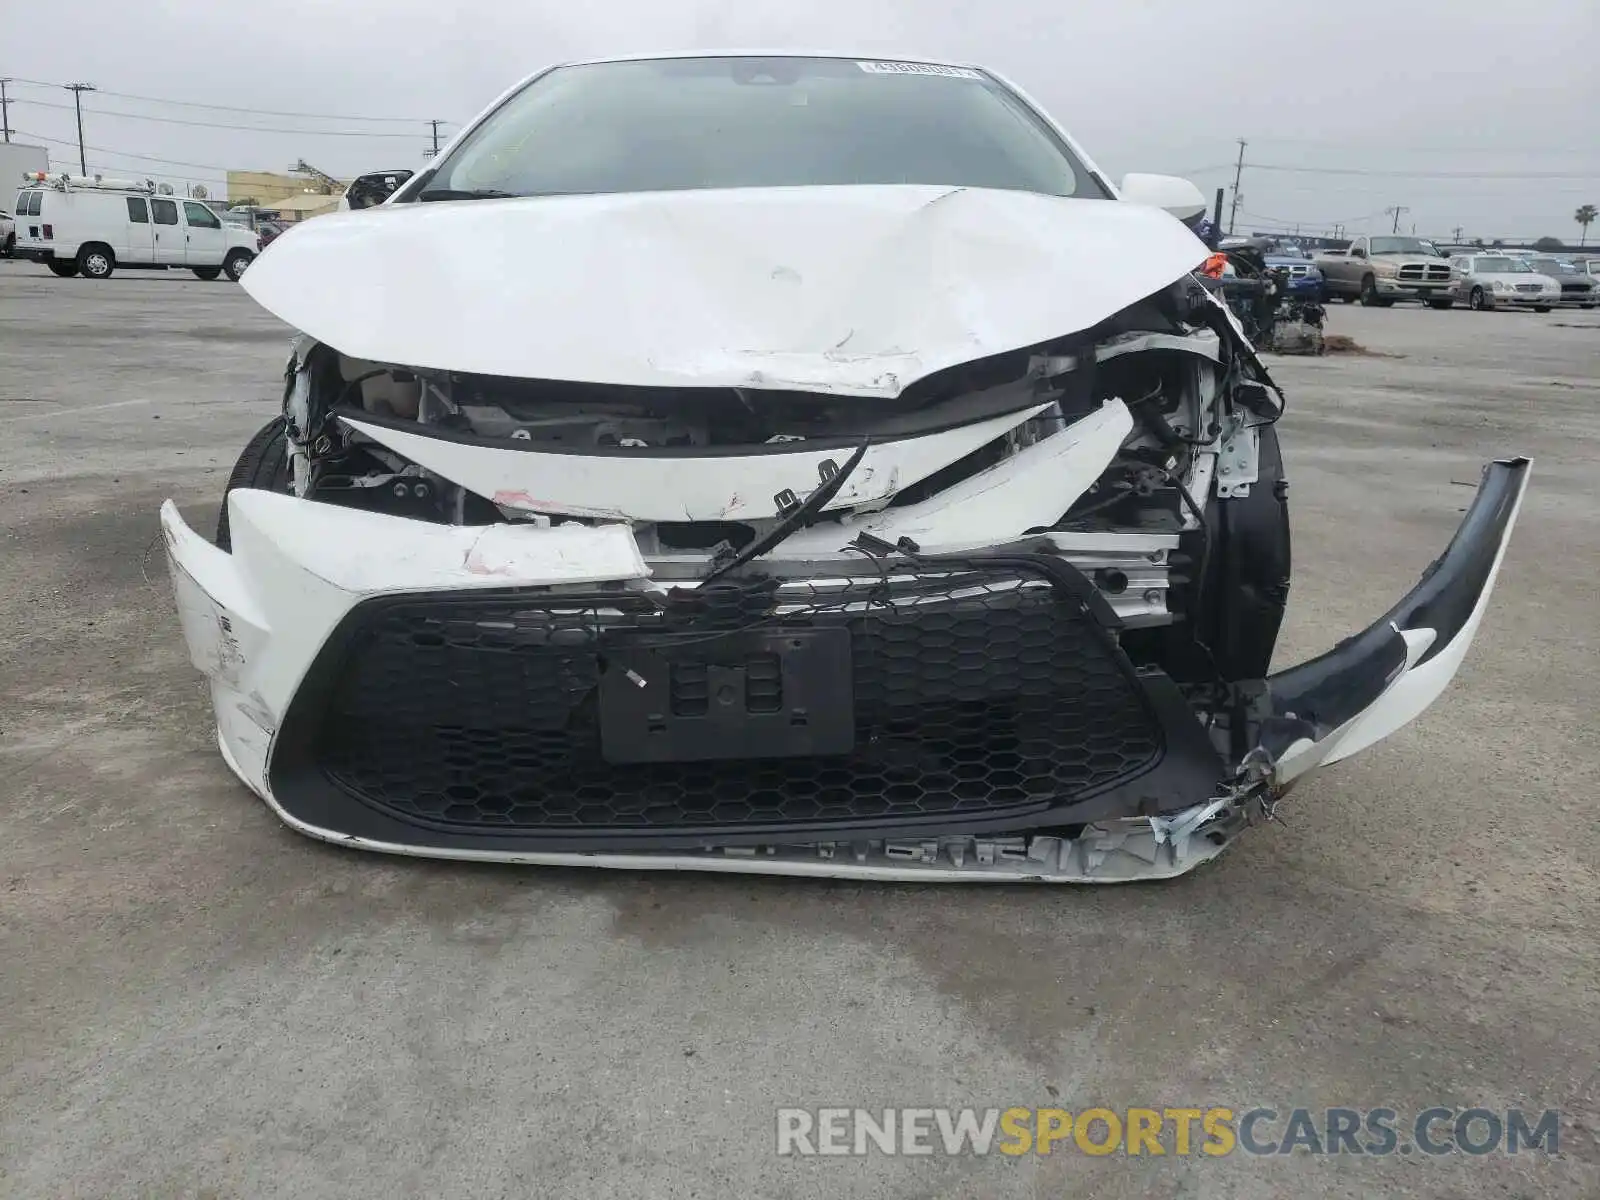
x=1379, y=270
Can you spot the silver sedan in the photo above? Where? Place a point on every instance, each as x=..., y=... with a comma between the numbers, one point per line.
x=1501, y=281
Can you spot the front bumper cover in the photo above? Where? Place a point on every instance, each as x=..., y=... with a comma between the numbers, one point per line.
x=271, y=626
x=1523, y=299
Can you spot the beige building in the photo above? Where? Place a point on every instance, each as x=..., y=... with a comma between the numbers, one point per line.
x=295, y=196
x=307, y=204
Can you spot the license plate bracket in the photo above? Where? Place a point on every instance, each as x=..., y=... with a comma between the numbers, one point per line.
x=776, y=693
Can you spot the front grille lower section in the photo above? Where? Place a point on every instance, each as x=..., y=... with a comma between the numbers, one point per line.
x=974, y=694
x=1417, y=272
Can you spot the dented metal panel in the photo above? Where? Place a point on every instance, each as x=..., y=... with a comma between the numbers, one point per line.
x=856, y=291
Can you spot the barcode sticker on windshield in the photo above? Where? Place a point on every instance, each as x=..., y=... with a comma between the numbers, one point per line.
x=912, y=68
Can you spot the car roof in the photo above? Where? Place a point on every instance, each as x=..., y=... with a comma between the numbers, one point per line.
x=769, y=52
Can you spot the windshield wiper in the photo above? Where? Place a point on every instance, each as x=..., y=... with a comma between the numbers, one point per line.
x=460, y=194
x=794, y=514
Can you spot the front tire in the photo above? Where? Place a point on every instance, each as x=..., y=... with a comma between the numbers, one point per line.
x=236, y=263
x=1444, y=303
x=66, y=270
x=1369, y=294
x=10, y=248
x=1477, y=301
x=208, y=273
x=1541, y=308
x=263, y=465
x=96, y=261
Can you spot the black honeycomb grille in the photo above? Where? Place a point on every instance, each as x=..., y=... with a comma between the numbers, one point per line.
x=971, y=695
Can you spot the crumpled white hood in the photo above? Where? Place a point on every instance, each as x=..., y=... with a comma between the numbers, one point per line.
x=849, y=290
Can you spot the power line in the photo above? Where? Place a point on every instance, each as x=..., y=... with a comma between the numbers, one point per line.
x=266, y=112
x=1204, y=170
x=1434, y=148
x=1430, y=187
x=1316, y=221
x=106, y=112
x=1518, y=175
x=171, y=162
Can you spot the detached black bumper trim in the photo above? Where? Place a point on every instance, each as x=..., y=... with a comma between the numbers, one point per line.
x=1326, y=692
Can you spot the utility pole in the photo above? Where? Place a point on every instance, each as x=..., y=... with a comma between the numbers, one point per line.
x=435, y=125
x=77, y=90
x=1238, y=169
x=5, y=108
x=1458, y=234
x=1396, y=210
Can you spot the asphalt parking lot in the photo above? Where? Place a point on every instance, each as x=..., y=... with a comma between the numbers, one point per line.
x=196, y=1002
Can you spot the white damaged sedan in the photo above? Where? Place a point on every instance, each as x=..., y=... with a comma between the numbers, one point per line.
x=787, y=464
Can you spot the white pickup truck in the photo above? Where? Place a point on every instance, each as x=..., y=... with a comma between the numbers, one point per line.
x=1381, y=270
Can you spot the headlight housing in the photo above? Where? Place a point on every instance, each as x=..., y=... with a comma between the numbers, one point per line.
x=1500, y=285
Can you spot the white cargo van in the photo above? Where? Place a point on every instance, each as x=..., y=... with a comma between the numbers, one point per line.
x=77, y=224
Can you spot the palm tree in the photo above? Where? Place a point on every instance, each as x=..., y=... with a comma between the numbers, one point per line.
x=1583, y=216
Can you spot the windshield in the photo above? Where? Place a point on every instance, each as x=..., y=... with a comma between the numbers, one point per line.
x=1403, y=245
x=729, y=122
x=1553, y=266
x=1502, y=266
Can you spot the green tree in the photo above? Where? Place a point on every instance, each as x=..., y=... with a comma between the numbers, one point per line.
x=1583, y=216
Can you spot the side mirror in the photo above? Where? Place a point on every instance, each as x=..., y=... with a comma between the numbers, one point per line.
x=1178, y=196
x=1357, y=252
x=368, y=191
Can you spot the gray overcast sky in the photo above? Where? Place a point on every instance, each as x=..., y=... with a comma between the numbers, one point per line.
x=1507, y=90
